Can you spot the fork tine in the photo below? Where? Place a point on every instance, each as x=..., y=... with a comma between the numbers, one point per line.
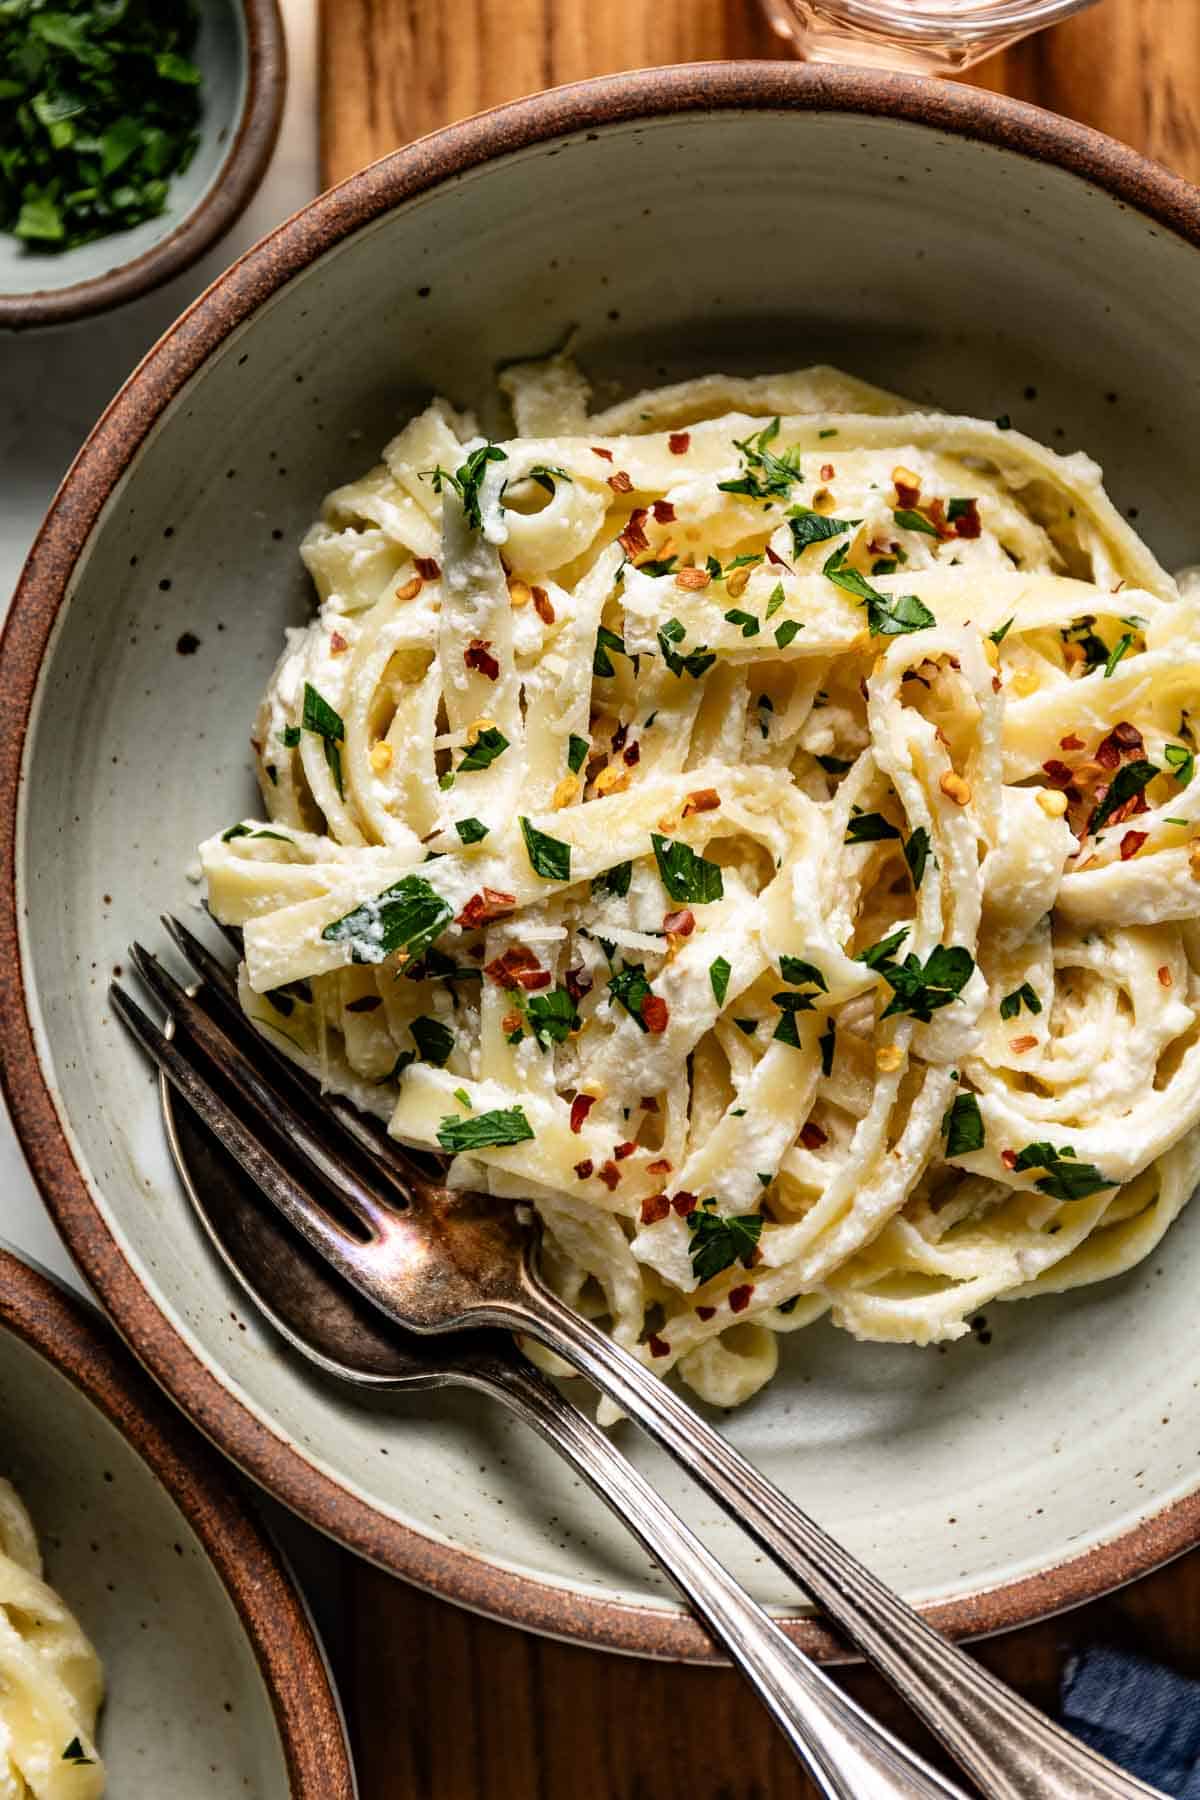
x=274, y=1108
x=207, y=966
x=268, y=1174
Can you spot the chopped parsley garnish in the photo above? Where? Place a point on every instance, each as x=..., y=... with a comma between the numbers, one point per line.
x=747, y=1027
x=289, y=737
x=776, y=600
x=795, y=970
x=765, y=705
x=434, y=1040
x=606, y=640
x=546, y=476
x=550, y=857
x=552, y=1017
x=1066, y=1178
x=471, y=831
x=920, y=989
x=789, y=1005
x=614, y=881
x=99, y=107
x=1024, y=996
x=319, y=717
x=693, y=662
x=749, y=624
x=1128, y=781
x=764, y=1176
x=826, y=1043
x=785, y=633
x=1117, y=652
x=660, y=565
x=719, y=972
x=629, y=987
x=764, y=476
x=887, y=615
x=468, y=479
x=808, y=527
x=1181, y=762
x=909, y=520
x=959, y=508
x=577, y=753
x=716, y=1243
x=829, y=431
x=916, y=854
x=1004, y=423
x=407, y=916
x=1095, y=650
x=490, y=744
x=508, y=1125
x=868, y=828
x=1001, y=632
x=463, y=1098
x=962, y=1126
x=75, y=1753
x=686, y=876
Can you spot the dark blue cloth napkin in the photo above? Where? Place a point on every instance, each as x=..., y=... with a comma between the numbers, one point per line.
x=1140, y=1715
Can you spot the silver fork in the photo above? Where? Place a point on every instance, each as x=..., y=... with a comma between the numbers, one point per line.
x=435, y=1260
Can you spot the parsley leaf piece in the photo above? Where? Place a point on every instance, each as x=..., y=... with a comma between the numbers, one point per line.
x=1025, y=996
x=471, y=831
x=235, y=831
x=716, y=1243
x=507, y=1125
x=764, y=476
x=658, y=565
x=875, y=954
x=550, y=857
x=920, y=989
x=795, y=970
x=909, y=520
x=827, y=1042
x=686, y=876
x=1066, y=1178
x=808, y=527
x=747, y=1027
x=407, y=916
x=552, y=1016
x=434, y=1040
x=719, y=972
x=577, y=753
x=868, y=828
x=1001, y=632
x=546, y=476
x=962, y=1126
x=1181, y=762
x=694, y=662
x=1129, y=780
x=749, y=624
x=916, y=854
x=958, y=508
x=319, y=717
x=785, y=633
x=606, y=640
x=776, y=601
x=629, y=987
x=887, y=615
x=789, y=1005
x=75, y=1753
x=467, y=480
x=1004, y=423
x=289, y=737
x=490, y=744
x=614, y=881
x=1117, y=652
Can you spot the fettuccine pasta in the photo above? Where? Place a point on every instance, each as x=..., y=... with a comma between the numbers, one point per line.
x=51, y=1682
x=755, y=824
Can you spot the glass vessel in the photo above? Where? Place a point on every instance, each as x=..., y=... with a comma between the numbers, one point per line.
x=926, y=36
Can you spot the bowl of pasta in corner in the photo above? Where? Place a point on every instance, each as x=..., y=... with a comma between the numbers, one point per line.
x=727, y=778
x=151, y=1641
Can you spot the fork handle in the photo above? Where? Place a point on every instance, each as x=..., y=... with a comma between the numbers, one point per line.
x=848, y=1755
x=1010, y=1750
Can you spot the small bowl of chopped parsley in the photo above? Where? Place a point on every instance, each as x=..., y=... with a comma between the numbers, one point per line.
x=132, y=134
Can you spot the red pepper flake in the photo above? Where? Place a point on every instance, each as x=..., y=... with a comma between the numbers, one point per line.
x=907, y=498
x=632, y=755
x=702, y=800
x=1057, y=773
x=620, y=483
x=1021, y=1044
x=683, y=1203
x=658, y=1346
x=542, y=606
x=365, y=1003
x=655, y=1013
x=619, y=735
x=1070, y=742
x=827, y=471
x=478, y=655
x=633, y=539
x=1138, y=804
x=679, y=443
x=609, y=1174
x=583, y=1169
x=740, y=1297
x=1131, y=843
x=1128, y=736
x=654, y=1208
x=581, y=1106
x=706, y=1312
x=681, y=923
x=532, y=979
x=427, y=568
x=935, y=512
x=512, y=1021
x=482, y=908
x=507, y=970
x=606, y=454
x=1108, y=752
x=1009, y=1158
x=1165, y=978
x=664, y=512
x=577, y=983
x=774, y=558
x=337, y=643
x=812, y=1137
x=621, y=1151
x=661, y=1167
x=968, y=524
x=692, y=579
x=648, y=1103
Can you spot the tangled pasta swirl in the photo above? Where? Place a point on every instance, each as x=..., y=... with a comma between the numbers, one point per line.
x=756, y=825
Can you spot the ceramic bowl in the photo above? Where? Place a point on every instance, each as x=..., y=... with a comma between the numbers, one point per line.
x=216, y=1685
x=241, y=53
x=955, y=245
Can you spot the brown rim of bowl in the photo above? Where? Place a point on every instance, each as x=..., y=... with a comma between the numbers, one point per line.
x=215, y=212
x=440, y=1568
x=73, y=1339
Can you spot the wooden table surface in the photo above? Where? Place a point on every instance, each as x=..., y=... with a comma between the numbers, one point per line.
x=444, y=1706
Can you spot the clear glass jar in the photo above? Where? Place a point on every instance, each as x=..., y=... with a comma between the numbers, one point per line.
x=927, y=36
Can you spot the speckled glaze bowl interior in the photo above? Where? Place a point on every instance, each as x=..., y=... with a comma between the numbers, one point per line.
x=216, y=1686
x=959, y=247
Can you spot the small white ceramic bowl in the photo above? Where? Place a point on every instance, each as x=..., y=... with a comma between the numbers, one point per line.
x=241, y=54
x=951, y=244
x=216, y=1685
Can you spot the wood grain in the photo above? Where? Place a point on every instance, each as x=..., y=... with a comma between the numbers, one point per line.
x=445, y=1706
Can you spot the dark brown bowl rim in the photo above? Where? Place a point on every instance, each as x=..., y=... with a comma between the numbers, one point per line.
x=70, y=1336
x=250, y=1442
x=213, y=214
